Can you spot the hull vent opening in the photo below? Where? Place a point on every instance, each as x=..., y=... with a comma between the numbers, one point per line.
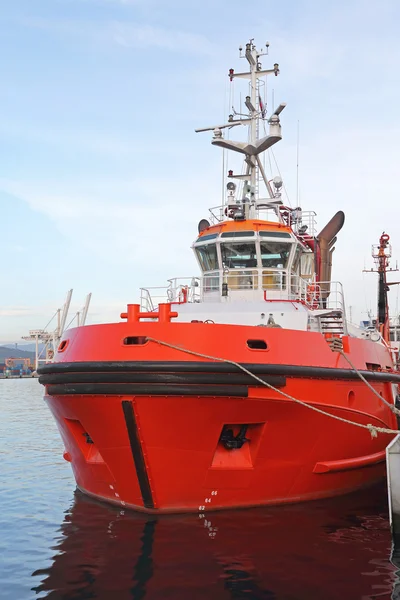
x=373, y=366
x=257, y=344
x=138, y=340
x=62, y=346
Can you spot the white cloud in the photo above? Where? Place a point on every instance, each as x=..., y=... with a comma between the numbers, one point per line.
x=138, y=223
x=80, y=140
x=121, y=2
x=107, y=143
x=15, y=311
x=115, y=2
x=124, y=33
x=146, y=36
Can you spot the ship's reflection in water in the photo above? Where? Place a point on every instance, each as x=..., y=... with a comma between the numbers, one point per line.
x=335, y=549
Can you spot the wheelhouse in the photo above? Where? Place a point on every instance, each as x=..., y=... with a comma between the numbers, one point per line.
x=265, y=260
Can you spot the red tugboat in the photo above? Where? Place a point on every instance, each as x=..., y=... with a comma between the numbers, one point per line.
x=236, y=390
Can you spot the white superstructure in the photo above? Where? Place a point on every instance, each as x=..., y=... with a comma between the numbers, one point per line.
x=261, y=261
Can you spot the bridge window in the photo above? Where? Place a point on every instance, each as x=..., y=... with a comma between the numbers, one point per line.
x=275, y=234
x=307, y=265
x=238, y=256
x=274, y=280
x=211, y=282
x=208, y=257
x=275, y=255
x=296, y=261
x=236, y=234
x=204, y=238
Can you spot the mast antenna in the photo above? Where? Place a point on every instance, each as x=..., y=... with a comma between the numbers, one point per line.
x=297, y=161
x=381, y=253
x=247, y=206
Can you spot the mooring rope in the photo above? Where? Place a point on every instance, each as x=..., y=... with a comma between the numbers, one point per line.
x=367, y=383
x=373, y=429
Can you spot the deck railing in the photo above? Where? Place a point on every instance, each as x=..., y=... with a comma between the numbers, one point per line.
x=247, y=284
x=179, y=289
x=303, y=222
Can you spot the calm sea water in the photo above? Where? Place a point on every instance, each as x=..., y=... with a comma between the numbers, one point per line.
x=57, y=544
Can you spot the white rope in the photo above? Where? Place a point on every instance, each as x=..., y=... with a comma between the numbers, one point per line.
x=361, y=376
x=373, y=429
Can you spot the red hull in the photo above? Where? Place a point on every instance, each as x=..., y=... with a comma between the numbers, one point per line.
x=162, y=451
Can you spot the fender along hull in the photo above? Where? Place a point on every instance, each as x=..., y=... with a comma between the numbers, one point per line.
x=157, y=433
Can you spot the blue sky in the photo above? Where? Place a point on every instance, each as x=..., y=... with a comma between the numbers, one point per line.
x=102, y=178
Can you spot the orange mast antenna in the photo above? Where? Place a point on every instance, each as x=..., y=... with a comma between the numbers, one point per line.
x=381, y=253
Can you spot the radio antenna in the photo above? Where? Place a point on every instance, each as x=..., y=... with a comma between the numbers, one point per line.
x=297, y=163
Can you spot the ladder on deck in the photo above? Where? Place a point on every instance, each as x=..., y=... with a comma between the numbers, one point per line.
x=331, y=322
